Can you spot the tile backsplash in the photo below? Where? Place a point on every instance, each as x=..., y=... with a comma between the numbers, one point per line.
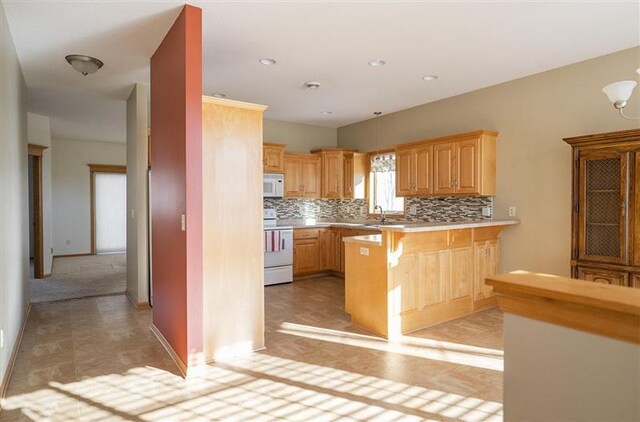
x=441, y=209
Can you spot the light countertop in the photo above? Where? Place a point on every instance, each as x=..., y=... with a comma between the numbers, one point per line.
x=411, y=227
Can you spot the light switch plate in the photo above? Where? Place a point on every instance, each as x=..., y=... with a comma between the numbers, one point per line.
x=364, y=251
x=183, y=222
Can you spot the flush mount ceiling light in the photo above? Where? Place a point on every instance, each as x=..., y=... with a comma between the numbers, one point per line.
x=326, y=113
x=429, y=78
x=219, y=95
x=312, y=85
x=84, y=64
x=267, y=61
x=619, y=93
x=377, y=62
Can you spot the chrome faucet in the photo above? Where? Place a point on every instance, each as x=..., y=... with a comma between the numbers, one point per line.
x=383, y=215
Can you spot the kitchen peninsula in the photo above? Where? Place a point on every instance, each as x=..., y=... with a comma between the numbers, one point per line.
x=412, y=276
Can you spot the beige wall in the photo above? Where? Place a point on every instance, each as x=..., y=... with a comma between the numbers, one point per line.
x=39, y=129
x=70, y=190
x=562, y=374
x=137, y=263
x=299, y=137
x=532, y=114
x=14, y=212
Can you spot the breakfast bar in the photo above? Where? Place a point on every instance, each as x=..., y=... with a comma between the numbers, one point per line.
x=412, y=276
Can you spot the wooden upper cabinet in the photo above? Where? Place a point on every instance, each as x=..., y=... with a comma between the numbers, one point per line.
x=332, y=175
x=292, y=176
x=311, y=177
x=467, y=176
x=301, y=176
x=414, y=171
x=444, y=169
x=273, y=158
x=423, y=181
x=462, y=164
x=354, y=174
x=405, y=163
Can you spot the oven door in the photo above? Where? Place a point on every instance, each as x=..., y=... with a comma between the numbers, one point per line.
x=285, y=255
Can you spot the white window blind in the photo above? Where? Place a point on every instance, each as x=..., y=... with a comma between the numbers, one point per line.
x=110, y=212
x=382, y=185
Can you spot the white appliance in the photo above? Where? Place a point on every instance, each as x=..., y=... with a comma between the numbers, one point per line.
x=273, y=186
x=278, y=250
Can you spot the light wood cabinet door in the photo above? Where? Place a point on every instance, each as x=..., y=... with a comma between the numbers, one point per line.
x=598, y=275
x=434, y=277
x=332, y=175
x=337, y=251
x=311, y=177
x=461, y=272
x=405, y=172
x=467, y=165
x=635, y=281
x=423, y=175
x=272, y=159
x=326, y=249
x=444, y=168
x=348, y=176
x=292, y=177
x=305, y=256
x=486, y=263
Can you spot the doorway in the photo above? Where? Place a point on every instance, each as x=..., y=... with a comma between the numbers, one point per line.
x=36, y=248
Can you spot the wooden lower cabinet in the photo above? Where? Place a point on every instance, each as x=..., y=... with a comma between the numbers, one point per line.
x=635, y=281
x=305, y=256
x=486, y=263
x=599, y=275
x=321, y=250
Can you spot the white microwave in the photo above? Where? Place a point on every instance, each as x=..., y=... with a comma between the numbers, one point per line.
x=273, y=186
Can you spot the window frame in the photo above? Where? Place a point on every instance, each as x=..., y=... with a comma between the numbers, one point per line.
x=370, y=211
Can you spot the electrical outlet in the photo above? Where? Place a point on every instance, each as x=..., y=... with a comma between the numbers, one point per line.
x=487, y=211
x=364, y=251
x=512, y=211
x=1, y=339
x=413, y=209
x=133, y=213
x=183, y=222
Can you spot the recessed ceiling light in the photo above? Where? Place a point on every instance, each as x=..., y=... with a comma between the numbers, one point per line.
x=429, y=78
x=377, y=62
x=267, y=62
x=219, y=95
x=312, y=85
x=326, y=113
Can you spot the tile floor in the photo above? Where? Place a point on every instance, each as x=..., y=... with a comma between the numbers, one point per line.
x=95, y=359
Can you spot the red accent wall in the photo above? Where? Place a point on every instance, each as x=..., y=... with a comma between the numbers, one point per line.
x=176, y=184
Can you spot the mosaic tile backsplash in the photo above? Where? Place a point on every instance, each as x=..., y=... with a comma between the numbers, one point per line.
x=441, y=209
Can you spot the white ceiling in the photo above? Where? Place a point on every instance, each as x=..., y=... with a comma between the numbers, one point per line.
x=469, y=45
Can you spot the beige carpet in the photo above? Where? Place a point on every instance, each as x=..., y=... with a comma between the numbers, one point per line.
x=81, y=276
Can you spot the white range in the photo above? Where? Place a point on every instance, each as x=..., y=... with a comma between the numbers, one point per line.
x=278, y=250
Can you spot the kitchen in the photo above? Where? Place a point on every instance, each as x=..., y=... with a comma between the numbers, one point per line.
x=318, y=204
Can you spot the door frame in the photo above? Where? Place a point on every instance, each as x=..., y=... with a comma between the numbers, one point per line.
x=37, y=152
x=93, y=169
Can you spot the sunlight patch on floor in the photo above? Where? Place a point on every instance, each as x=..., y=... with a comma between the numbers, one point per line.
x=443, y=351
x=258, y=386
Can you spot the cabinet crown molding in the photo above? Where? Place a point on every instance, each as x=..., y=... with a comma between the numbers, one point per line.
x=604, y=138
